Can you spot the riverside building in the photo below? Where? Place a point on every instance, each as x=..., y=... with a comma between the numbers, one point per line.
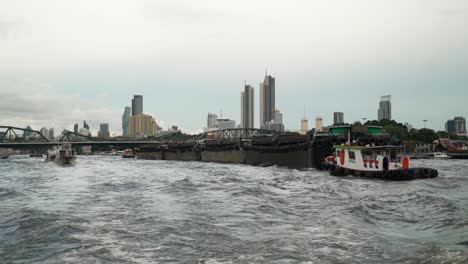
x=141, y=126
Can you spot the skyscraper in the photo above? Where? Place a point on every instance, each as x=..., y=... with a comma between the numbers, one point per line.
x=338, y=118
x=247, y=107
x=137, y=104
x=45, y=132
x=267, y=100
x=51, y=135
x=212, y=121
x=125, y=121
x=385, y=108
x=304, y=125
x=456, y=126
x=104, y=131
x=318, y=124
x=85, y=125
x=75, y=128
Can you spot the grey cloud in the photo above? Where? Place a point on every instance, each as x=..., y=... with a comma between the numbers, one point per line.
x=37, y=105
x=10, y=28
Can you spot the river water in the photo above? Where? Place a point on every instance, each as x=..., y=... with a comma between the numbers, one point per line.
x=114, y=210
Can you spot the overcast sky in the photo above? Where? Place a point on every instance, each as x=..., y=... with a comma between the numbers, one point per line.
x=65, y=61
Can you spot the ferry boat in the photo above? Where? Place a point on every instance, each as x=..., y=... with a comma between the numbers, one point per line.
x=374, y=162
x=128, y=154
x=437, y=155
x=62, y=154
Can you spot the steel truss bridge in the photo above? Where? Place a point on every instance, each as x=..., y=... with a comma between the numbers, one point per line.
x=13, y=137
x=235, y=133
x=10, y=134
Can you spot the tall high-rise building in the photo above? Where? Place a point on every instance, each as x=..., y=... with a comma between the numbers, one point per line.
x=45, y=132
x=51, y=135
x=137, y=104
x=85, y=125
x=247, y=107
x=385, y=108
x=104, y=131
x=212, y=121
x=338, y=118
x=456, y=126
x=125, y=121
x=142, y=125
x=75, y=128
x=318, y=124
x=304, y=126
x=267, y=100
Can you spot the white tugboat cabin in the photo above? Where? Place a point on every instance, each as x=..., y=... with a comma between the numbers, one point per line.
x=374, y=162
x=370, y=158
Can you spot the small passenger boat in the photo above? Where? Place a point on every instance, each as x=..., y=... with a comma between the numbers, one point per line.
x=374, y=162
x=437, y=155
x=128, y=154
x=62, y=154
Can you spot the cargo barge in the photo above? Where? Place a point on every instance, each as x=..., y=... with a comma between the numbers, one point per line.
x=265, y=148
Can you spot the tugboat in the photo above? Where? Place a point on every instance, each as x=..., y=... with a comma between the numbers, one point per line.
x=63, y=154
x=128, y=154
x=374, y=162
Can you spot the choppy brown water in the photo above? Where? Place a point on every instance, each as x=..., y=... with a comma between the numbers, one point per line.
x=113, y=210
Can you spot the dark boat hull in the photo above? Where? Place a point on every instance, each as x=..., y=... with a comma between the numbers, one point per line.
x=391, y=175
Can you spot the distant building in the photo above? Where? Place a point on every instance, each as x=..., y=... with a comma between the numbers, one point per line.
x=51, y=135
x=137, y=105
x=172, y=130
x=85, y=125
x=278, y=118
x=318, y=124
x=75, y=128
x=84, y=131
x=267, y=100
x=247, y=107
x=211, y=122
x=125, y=121
x=142, y=125
x=338, y=118
x=304, y=126
x=273, y=126
x=225, y=124
x=27, y=132
x=45, y=132
x=104, y=131
x=385, y=108
x=456, y=126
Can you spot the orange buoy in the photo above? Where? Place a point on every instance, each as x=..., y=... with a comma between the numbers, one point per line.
x=405, y=163
x=342, y=157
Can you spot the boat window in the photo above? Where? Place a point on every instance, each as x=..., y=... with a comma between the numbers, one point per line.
x=338, y=153
x=352, y=155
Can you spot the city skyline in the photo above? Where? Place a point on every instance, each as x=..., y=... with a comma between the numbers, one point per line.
x=342, y=58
